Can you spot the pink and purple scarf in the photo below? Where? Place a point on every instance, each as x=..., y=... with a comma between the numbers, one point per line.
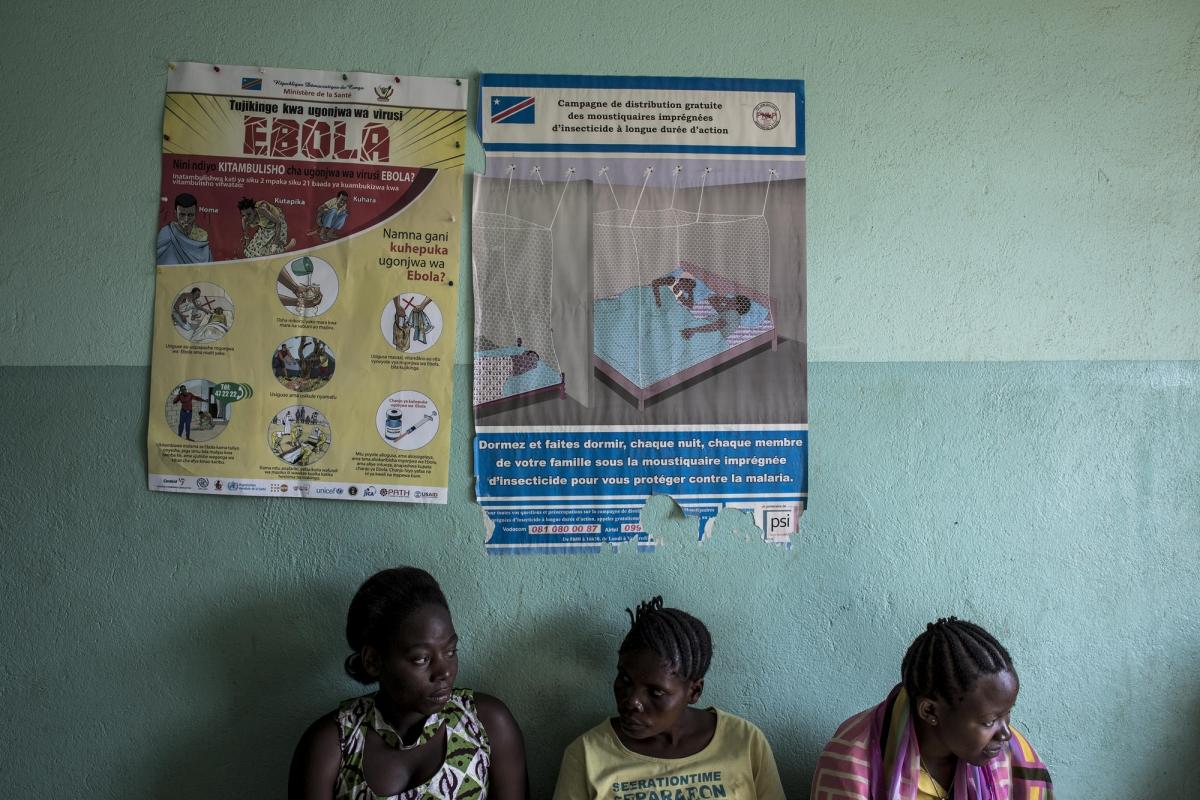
x=873, y=756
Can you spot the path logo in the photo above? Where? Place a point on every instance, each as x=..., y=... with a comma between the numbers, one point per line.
x=384, y=93
x=251, y=84
x=512, y=110
x=766, y=115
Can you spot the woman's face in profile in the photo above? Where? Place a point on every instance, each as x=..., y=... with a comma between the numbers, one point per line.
x=418, y=669
x=976, y=729
x=650, y=695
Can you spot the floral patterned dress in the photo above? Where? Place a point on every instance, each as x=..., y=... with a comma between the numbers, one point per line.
x=464, y=773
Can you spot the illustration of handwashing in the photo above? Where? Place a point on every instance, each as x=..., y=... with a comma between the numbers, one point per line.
x=307, y=286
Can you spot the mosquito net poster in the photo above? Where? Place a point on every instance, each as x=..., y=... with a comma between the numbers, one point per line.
x=307, y=251
x=639, y=261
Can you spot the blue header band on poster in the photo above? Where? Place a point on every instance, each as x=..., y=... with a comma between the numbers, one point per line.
x=519, y=81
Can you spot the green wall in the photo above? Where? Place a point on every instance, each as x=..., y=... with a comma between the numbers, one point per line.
x=1004, y=277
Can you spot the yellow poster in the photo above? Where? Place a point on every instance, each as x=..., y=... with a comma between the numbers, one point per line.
x=307, y=266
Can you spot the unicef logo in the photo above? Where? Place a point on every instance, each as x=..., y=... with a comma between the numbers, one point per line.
x=766, y=115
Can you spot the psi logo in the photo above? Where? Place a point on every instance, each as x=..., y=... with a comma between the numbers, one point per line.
x=778, y=522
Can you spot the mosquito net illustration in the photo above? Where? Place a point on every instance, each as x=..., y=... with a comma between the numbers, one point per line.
x=515, y=357
x=678, y=292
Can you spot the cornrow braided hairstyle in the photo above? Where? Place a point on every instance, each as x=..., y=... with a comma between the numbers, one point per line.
x=380, y=605
x=673, y=635
x=946, y=660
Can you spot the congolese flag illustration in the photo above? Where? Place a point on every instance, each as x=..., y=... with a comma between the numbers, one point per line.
x=516, y=110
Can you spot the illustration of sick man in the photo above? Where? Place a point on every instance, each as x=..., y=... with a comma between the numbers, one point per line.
x=264, y=228
x=331, y=216
x=182, y=241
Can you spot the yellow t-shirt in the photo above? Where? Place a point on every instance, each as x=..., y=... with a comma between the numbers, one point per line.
x=736, y=765
x=928, y=788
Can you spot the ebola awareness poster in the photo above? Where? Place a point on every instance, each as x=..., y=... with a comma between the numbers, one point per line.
x=307, y=251
x=638, y=247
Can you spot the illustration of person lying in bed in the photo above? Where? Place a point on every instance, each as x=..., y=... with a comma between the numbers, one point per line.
x=683, y=286
x=728, y=317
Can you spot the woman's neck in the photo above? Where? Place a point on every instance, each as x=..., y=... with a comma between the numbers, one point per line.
x=409, y=724
x=936, y=758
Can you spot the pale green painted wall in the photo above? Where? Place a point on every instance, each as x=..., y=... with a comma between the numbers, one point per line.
x=1014, y=185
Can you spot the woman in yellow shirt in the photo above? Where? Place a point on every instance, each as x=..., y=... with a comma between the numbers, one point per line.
x=660, y=746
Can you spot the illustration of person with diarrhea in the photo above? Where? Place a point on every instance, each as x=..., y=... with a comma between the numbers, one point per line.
x=182, y=241
x=331, y=216
x=269, y=227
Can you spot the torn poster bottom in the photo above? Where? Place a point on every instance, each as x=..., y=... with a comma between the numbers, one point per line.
x=570, y=489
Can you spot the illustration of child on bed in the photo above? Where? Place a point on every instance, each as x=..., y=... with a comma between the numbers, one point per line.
x=730, y=309
x=502, y=372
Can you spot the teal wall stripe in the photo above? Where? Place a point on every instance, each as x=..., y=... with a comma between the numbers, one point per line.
x=185, y=641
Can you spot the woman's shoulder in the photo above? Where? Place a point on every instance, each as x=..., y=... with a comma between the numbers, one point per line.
x=600, y=735
x=732, y=724
x=856, y=726
x=321, y=736
x=498, y=722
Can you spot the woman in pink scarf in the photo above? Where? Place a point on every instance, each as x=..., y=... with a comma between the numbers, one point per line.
x=942, y=734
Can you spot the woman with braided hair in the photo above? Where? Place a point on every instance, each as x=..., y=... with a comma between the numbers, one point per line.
x=942, y=733
x=418, y=737
x=659, y=746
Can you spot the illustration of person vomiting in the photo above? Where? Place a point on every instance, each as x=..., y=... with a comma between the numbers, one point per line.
x=270, y=228
x=331, y=216
x=729, y=312
x=182, y=241
x=683, y=286
x=184, y=399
